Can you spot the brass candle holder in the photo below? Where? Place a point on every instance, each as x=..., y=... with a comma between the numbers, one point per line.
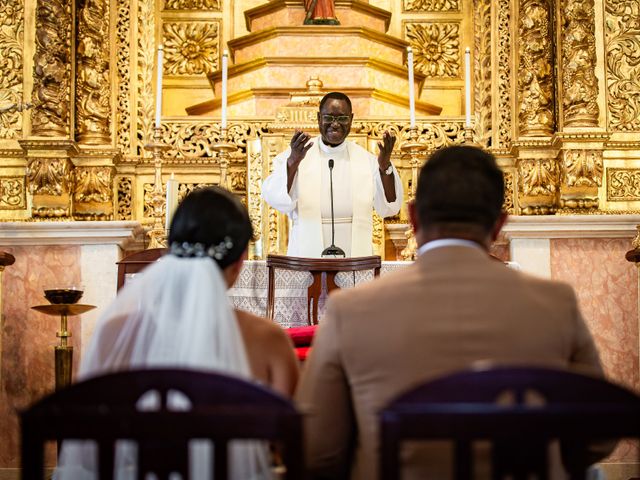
x=157, y=234
x=63, y=303
x=414, y=148
x=223, y=150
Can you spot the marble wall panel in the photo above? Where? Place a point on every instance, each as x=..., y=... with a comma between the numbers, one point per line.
x=607, y=289
x=28, y=337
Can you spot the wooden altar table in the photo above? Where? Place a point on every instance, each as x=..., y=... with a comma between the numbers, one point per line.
x=250, y=290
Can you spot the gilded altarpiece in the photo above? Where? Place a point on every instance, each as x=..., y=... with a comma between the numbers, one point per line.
x=552, y=98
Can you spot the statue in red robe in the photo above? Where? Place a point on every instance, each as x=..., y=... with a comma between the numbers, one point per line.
x=320, y=12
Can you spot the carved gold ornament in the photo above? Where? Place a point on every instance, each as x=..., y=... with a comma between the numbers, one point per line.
x=52, y=68
x=11, y=46
x=124, y=210
x=12, y=193
x=538, y=185
x=622, y=60
x=623, y=184
x=144, y=80
x=191, y=48
x=93, y=88
x=505, y=75
x=579, y=82
x=192, y=5
x=535, y=75
x=436, y=48
x=123, y=58
x=482, y=74
x=431, y=5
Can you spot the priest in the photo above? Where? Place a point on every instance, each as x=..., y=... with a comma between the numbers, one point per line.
x=300, y=185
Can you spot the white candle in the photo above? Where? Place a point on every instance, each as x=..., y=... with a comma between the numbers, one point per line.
x=159, y=87
x=412, y=96
x=467, y=88
x=172, y=200
x=225, y=60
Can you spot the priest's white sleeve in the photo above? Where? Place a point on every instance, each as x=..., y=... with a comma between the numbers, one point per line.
x=274, y=188
x=380, y=203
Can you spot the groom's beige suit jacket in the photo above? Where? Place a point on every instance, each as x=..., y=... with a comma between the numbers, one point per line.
x=454, y=306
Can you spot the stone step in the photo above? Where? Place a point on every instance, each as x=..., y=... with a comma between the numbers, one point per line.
x=350, y=13
x=318, y=41
x=291, y=72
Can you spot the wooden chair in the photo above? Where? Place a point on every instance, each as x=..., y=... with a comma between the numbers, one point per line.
x=316, y=266
x=104, y=409
x=136, y=262
x=462, y=407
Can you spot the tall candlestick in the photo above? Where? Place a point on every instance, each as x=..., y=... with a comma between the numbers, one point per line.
x=412, y=97
x=467, y=88
x=159, y=87
x=172, y=200
x=225, y=60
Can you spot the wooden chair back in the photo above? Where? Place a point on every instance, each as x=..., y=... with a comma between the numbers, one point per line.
x=462, y=407
x=104, y=409
x=316, y=266
x=135, y=262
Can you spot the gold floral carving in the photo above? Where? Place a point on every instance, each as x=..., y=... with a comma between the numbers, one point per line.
x=123, y=52
x=436, y=135
x=579, y=82
x=581, y=176
x=623, y=184
x=93, y=192
x=52, y=68
x=12, y=193
x=504, y=75
x=538, y=181
x=483, y=72
x=238, y=182
x=622, y=58
x=191, y=48
x=146, y=58
x=192, y=5
x=431, y=5
x=436, y=48
x=50, y=183
x=93, y=90
x=11, y=44
x=125, y=200
x=509, y=206
x=254, y=192
x=378, y=234
x=535, y=76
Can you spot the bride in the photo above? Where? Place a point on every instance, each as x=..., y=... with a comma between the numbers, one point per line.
x=176, y=314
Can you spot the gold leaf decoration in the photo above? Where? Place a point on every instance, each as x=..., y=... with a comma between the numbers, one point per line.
x=191, y=48
x=582, y=168
x=579, y=82
x=125, y=200
x=538, y=176
x=508, y=205
x=622, y=60
x=93, y=90
x=436, y=48
x=192, y=5
x=11, y=45
x=623, y=184
x=52, y=68
x=12, y=193
x=535, y=76
x=504, y=75
x=123, y=52
x=93, y=184
x=482, y=72
x=50, y=176
x=431, y=5
x=145, y=65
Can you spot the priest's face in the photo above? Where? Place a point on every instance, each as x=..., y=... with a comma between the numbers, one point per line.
x=334, y=121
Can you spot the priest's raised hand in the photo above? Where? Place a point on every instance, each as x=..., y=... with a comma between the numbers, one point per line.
x=384, y=164
x=300, y=145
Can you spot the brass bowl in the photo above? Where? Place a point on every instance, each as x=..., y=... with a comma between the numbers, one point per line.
x=63, y=295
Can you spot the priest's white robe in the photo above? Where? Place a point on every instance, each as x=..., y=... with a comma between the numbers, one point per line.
x=357, y=189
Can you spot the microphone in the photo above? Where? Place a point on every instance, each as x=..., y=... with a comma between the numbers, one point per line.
x=332, y=250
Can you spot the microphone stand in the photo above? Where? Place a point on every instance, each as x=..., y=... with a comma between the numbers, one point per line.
x=332, y=250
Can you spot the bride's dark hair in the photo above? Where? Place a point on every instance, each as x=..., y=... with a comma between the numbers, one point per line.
x=211, y=221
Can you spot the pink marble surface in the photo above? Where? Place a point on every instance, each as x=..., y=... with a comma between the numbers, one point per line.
x=607, y=289
x=28, y=337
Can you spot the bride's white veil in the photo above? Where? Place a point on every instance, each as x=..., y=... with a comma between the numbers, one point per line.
x=175, y=313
